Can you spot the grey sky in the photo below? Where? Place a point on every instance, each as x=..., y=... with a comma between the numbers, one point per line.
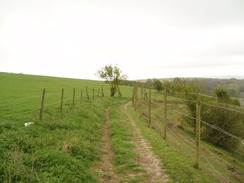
x=147, y=39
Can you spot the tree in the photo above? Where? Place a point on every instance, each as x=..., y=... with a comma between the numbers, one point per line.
x=158, y=85
x=112, y=75
x=222, y=94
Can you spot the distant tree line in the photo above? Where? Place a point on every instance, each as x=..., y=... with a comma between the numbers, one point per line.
x=234, y=87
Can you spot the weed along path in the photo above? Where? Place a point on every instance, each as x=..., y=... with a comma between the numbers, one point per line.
x=147, y=159
x=106, y=168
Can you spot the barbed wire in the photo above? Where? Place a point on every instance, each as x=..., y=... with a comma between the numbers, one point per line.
x=222, y=107
x=215, y=168
x=19, y=113
x=183, y=99
x=212, y=126
x=180, y=139
x=19, y=105
x=223, y=131
x=220, y=159
x=201, y=155
x=186, y=100
x=182, y=113
x=205, y=148
x=18, y=99
x=51, y=104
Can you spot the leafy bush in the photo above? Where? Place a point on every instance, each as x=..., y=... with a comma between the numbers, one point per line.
x=227, y=120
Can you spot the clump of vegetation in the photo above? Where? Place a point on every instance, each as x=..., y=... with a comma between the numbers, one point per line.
x=229, y=121
x=223, y=97
x=158, y=85
x=113, y=76
x=226, y=120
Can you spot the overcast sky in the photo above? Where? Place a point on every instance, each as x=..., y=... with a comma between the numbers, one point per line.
x=146, y=38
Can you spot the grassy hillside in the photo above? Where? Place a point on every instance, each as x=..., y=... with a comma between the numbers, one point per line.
x=20, y=95
x=28, y=85
x=67, y=147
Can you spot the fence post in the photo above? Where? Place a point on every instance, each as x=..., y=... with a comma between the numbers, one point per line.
x=119, y=93
x=81, y=94
x=74, y=97
x=98, y=93
x=155, y=95
x=149, y=110
x=102, y=92
x=135, y=97
x=42, y=103
x=165, y=112
x=87, y=96
x=62, y=100
x=141, y=93
x=198, y=119
x=93, y=94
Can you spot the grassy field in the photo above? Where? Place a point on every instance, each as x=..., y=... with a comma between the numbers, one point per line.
x=20, y=94
x=67, y=147
x=30, y=85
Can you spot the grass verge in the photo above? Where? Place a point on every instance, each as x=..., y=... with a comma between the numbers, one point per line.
x=57, y=149
x=178, y=167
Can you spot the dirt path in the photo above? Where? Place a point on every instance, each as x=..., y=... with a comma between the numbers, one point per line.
x=106, y=167
x=147, y=159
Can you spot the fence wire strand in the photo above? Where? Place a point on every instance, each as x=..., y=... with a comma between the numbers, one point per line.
x=222, y=107
x=201, y=156
x=206, y=149
x=18, y=99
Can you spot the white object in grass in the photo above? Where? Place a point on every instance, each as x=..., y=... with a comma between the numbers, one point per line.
x=28, y=123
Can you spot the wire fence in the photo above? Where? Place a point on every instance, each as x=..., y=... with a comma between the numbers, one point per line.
x=153, y=112
x=12, y=110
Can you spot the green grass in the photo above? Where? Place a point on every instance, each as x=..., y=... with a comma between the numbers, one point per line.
x=121, y=139
x=66, y=147
x=14, y=86
x=57, y=149
x=20, y=95
x=178, y=152
x=178, y=167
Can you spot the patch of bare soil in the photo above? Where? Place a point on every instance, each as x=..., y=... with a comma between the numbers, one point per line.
x=106, y=168
x=147, y=159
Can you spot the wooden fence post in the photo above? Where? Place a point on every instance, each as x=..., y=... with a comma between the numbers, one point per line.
x=93, y=97
x=198, y=119
x=87, y=95
x=155, y=95
x=81, y=95
x=141, y=93
x=98, y=93
x=149, y=109
x=102, y=92
x=74, y=97
x=62, y=100
x=42, y=103
x=165, y=112
x=119, y=93
x=135, y=97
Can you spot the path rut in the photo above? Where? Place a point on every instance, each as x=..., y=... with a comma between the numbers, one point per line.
x=147, y=159
x=106, y=167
